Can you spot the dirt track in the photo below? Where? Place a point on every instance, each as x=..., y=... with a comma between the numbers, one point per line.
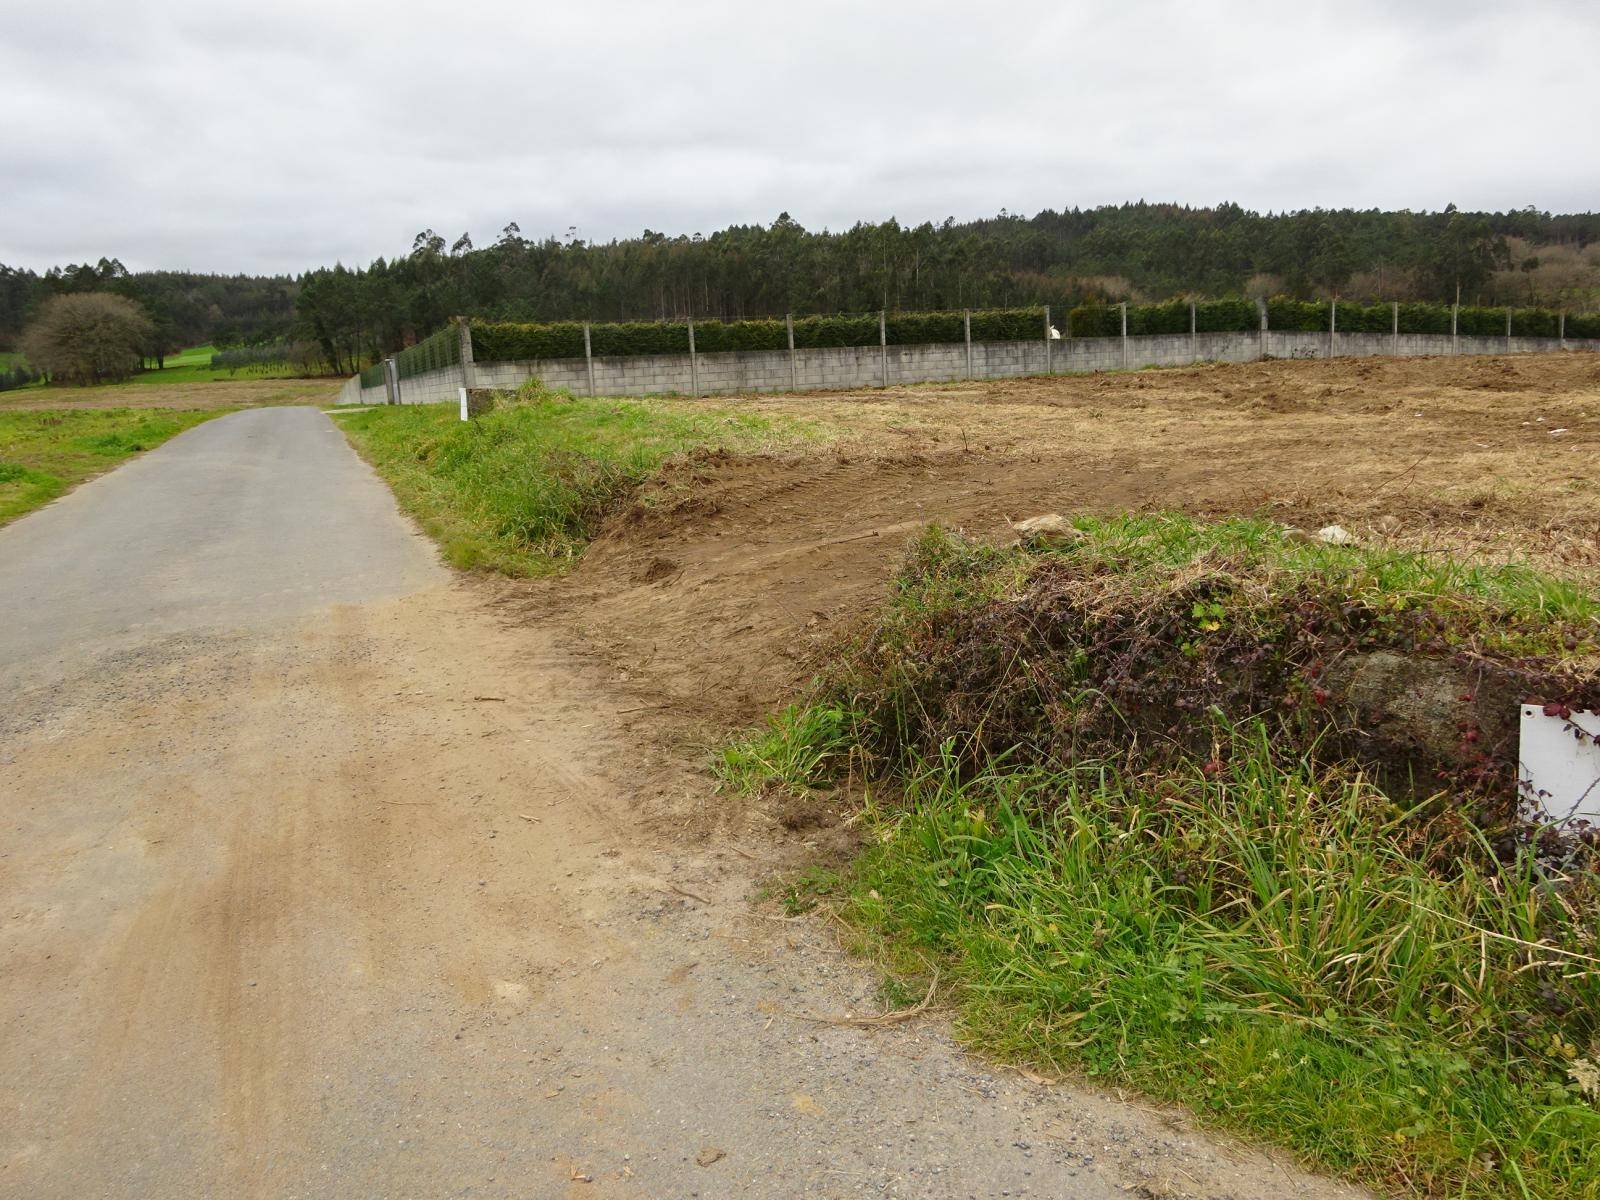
x=350, y=897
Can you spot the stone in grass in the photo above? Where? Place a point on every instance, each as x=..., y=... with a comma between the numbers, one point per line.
x=1335, y=535
x=1045, y=532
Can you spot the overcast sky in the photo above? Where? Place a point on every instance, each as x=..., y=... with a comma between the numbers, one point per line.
x=285, y=134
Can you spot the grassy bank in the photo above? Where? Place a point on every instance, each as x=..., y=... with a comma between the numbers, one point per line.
x=522, y=489
x=1112, y=802
x=44, y=454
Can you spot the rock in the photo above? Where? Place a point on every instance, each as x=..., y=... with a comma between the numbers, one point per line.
x=1051, y=529
x=1335, y=535
x=709, y=1155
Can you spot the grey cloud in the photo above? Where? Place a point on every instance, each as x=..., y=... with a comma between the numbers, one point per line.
x=276, y=137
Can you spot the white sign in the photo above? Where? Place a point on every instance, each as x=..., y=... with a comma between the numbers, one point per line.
x=1558, y=771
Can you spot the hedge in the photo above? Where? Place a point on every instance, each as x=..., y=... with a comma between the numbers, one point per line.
x=502, y=341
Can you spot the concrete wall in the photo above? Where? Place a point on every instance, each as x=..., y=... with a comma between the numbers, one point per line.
x=867, y=366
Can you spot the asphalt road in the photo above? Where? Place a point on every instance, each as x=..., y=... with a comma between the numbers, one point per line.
x=246, y=520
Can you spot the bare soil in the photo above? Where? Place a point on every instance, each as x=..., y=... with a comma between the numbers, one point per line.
x=709, y=600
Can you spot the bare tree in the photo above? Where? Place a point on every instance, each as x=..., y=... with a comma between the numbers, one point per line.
x=87, y=337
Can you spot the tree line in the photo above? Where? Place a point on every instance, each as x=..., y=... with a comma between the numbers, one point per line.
x=1062, y=258
x=182, y=308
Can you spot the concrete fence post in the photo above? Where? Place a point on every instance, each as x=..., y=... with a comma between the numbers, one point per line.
x=694, y=363
x=966, y=330
x=1394, y=321
x=1455, y=341
x=883, y=343
x=588, y=357
x=1049, y=353
x=1124, y=307
x=794, y=366
x=461, y=392
x=391, y=381
x=469, y=368
x=1261, y=311
x=1194, y=335
x=1561, y=329
x=1333, y=324
x=1508, y=329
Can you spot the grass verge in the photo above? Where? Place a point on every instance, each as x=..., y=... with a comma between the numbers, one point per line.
x=522, y=489
x=1217, y=900
x=45, y=453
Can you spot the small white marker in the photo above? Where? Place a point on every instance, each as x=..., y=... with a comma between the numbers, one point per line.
x=1558, y=767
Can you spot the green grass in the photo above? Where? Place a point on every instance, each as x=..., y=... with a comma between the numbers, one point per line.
x=1266, y=936
x=45, y=454
x=194, y=356
x=522, y=489
x=194, y=366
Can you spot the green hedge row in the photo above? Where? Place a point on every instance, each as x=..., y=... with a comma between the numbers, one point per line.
x=1311, y=316
x=1171, y=316
x=505, y=341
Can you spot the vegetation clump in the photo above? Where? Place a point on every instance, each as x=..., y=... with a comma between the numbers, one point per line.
x=522, y=489
x=1137, y=801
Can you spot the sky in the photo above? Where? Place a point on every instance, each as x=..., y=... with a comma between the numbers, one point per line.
x=280, y=135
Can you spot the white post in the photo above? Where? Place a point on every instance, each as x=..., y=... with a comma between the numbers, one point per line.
x=1194, y=336
x=794, y=368
x=1561, y=329
x=1333, y=323
x=391, y=375
x=883, y=343
x=1394, y=319
x=463, y=392
x=588, y=357
x=1261, y=308
x=1048, y=353
x=1455, y=340
x=966, y=326
x=1508, y=329
x=694, y=363
x=1124, y=307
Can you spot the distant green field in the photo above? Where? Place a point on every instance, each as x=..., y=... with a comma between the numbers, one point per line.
x=9, y=358
x=195, y=356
